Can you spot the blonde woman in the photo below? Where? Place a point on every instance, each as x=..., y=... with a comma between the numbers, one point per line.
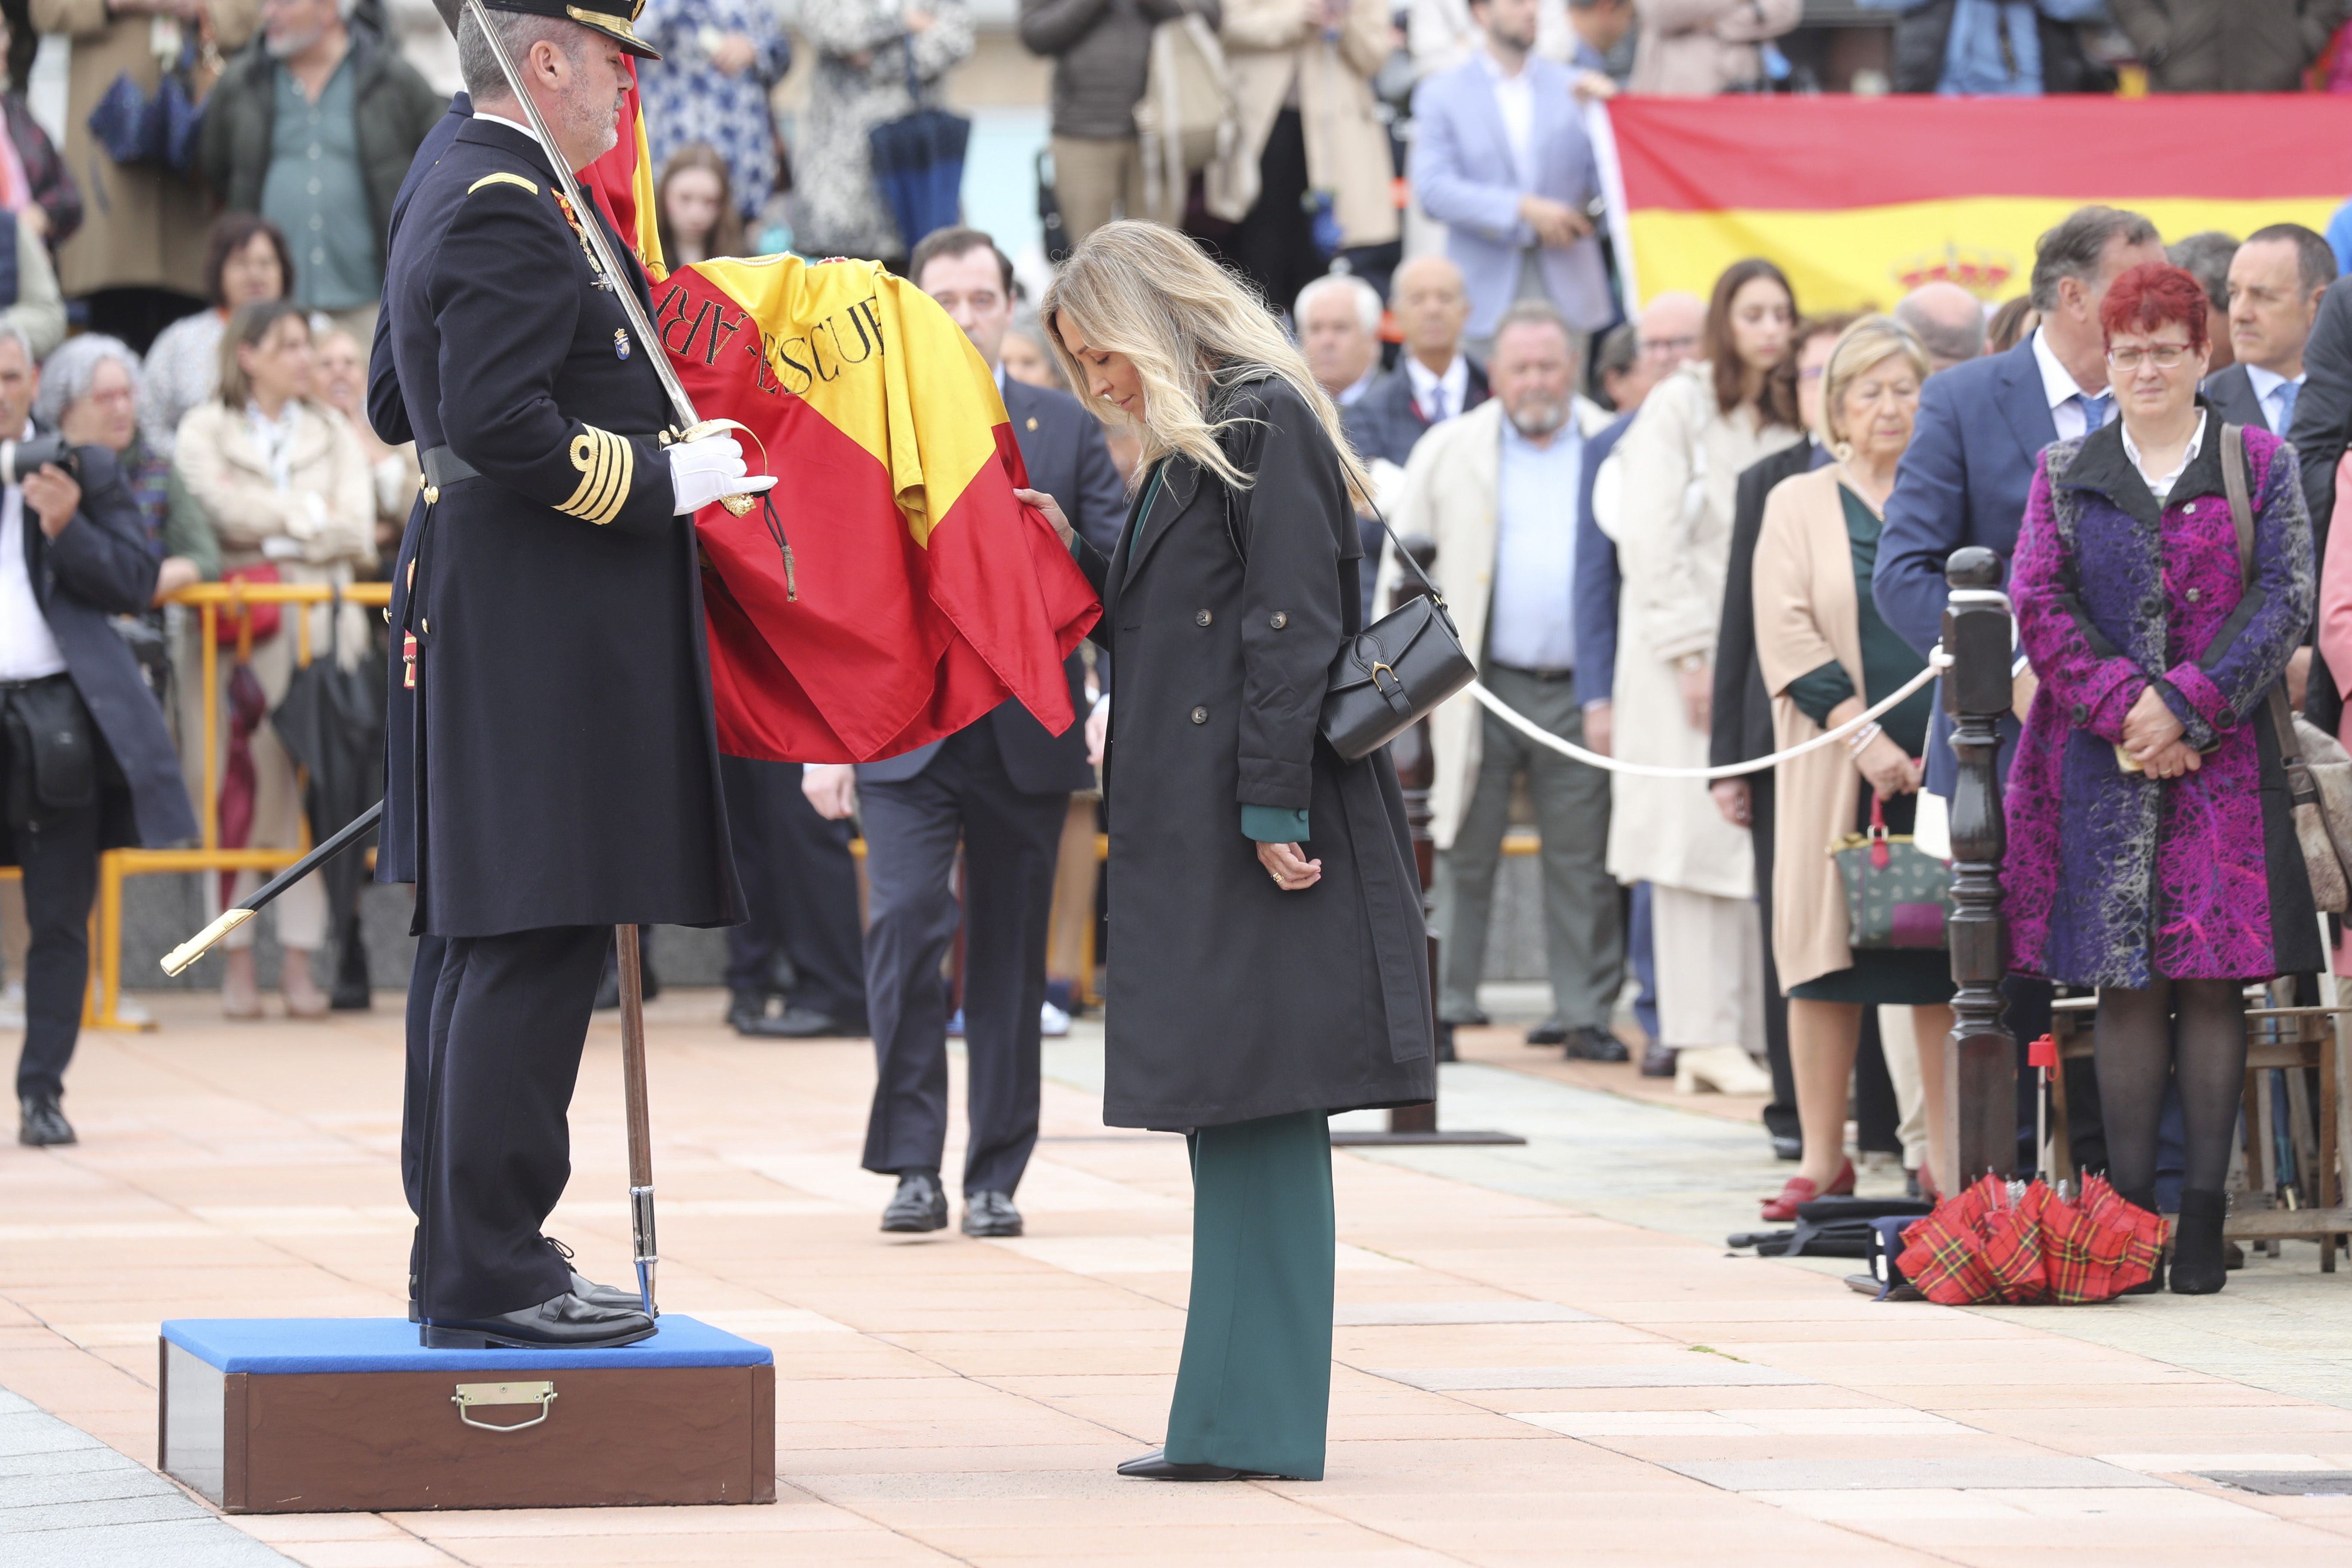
x=282, y=479
x=1826, y=656
x=1270, y=965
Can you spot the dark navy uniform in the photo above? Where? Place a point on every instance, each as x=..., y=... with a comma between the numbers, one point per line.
x=563, y=771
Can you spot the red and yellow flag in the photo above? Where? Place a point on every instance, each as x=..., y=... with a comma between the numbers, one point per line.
x=923, y=593
x=1861, y=199
x=926, y=593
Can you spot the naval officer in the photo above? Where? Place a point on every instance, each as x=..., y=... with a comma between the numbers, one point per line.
x=562, y=773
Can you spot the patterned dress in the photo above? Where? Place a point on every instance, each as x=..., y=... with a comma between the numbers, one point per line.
x=842, y=212
x=2112, y=877
x=689, y=99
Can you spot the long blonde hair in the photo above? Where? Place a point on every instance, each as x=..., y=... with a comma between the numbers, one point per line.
x=1192, y=329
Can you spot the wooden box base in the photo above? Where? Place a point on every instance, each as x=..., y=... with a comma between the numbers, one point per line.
x=314, y=1416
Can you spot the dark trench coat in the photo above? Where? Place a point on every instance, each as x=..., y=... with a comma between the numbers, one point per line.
x=1228, y=998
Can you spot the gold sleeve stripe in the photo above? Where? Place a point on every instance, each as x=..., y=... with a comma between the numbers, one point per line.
x=607, y=465
x=502, y=179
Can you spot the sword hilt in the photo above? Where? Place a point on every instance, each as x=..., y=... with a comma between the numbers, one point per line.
x=196, y=946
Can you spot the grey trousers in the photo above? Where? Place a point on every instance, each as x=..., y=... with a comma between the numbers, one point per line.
x=1583, y=940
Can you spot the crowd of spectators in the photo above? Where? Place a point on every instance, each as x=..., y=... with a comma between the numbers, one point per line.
x=1692, y=537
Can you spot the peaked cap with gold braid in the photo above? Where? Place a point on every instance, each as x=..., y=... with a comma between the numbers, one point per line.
x=611, y=17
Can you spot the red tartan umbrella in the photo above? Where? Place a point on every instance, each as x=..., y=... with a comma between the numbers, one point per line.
x=1990, y=1244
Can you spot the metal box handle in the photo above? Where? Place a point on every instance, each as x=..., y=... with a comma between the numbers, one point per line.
x=470, y=1395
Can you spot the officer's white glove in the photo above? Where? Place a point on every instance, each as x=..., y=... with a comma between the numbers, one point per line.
x=701, y=471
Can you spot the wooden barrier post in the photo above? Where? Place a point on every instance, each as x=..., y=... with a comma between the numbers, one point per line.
x=1981, y=1065
x=1415, y=756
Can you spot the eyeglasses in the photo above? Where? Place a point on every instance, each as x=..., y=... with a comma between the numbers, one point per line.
x=2164, y=356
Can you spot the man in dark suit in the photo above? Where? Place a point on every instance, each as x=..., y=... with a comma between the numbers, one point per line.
x=86, y=762
x=1433, y=380
x=1964, y=480
x=1003, y=786
x=2276, y=281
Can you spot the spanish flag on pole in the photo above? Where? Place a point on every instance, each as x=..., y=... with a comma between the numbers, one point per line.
x=1861, y=199
x=921, y=593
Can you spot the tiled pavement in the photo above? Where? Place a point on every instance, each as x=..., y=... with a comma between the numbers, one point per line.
x=1544, y=1355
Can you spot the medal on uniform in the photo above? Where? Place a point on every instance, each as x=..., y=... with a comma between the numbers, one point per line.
x=408, y=658
x=620, y=342
x=595, y=272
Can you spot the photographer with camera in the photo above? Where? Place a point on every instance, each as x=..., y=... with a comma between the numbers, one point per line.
x=86, y=762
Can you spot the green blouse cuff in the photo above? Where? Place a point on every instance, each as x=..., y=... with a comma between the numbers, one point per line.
x=1273, y=824
x=1817, y=691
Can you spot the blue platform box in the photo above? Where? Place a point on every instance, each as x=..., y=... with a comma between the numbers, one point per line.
x=321, y=1414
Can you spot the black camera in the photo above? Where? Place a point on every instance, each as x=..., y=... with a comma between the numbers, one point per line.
x=18, y=458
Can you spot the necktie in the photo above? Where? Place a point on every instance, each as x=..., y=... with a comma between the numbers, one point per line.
x=2285, y=394
x=1436, y=402
x=2095, y=410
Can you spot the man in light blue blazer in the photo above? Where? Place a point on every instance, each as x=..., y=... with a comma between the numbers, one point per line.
x=1500, y=156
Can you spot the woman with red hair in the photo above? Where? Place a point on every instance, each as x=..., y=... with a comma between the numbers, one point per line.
x=2150, y=850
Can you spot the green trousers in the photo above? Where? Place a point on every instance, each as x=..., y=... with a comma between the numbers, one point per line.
x=1253, y=1389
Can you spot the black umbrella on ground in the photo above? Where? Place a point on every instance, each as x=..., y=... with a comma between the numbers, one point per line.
x=331, y=721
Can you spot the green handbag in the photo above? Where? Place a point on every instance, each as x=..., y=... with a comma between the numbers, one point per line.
x=1896, y=894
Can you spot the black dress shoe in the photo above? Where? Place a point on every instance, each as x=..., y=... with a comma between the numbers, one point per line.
x=43, y=1124
x=1550, y=1032
x=1445, y=1052
x=990, y=1213
x=919, y=1204
x=806, y=1024
x=1156, y=1467
x=1657, y=1060
x=1592, y=1043
x=564, y=1323
x=747, y=1011
x=587, y=1289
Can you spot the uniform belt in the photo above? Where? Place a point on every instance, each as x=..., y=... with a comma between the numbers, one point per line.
x=1530, y=673
x=444, y=467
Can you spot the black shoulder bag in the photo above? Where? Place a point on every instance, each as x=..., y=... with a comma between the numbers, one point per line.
x=1392, y=673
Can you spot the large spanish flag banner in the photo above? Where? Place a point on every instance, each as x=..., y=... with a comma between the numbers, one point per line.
x=917, y=592
x=1861, y=199
x=921, y=593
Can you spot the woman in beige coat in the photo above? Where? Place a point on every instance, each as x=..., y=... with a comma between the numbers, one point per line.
x=1680, y=463
x=1826, y=657
x=283, y=480
x=146, y=227
x=1310, y=125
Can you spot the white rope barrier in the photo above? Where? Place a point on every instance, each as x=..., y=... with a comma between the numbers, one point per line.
x=1937, y=662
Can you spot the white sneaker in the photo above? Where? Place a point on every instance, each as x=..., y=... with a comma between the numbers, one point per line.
x=12, y=1006
x=1051, y=1022
x=128, y=1009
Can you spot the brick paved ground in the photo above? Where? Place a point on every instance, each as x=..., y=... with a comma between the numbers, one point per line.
x=1544, y=1355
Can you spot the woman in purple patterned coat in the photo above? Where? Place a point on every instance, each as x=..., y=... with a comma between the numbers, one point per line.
x=2151, y=852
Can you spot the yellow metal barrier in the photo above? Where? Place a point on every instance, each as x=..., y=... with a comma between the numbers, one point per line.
x=211, y=601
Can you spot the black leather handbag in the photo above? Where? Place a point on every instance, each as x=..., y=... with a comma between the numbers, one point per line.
x=1392, y=673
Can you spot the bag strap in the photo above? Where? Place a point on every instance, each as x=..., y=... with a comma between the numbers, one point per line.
x=1233, y=534
x=2242, y=518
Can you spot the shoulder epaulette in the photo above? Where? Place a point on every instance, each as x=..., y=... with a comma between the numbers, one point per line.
x=502, y=178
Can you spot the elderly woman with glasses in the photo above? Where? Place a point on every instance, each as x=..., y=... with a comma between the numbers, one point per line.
x=2150, y=849
x=89, y=394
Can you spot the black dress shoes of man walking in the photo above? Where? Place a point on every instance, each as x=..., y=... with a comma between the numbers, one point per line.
x=919, y=1204
x=44, y=1123
x=562, y=1323
x=990, y=1213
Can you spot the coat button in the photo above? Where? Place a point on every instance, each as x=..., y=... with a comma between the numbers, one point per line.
x=2191, y=596
x=2082, y=714
x=1201, y=617
x=1200, y=715
x=2227, y=718
x=1277, y=620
